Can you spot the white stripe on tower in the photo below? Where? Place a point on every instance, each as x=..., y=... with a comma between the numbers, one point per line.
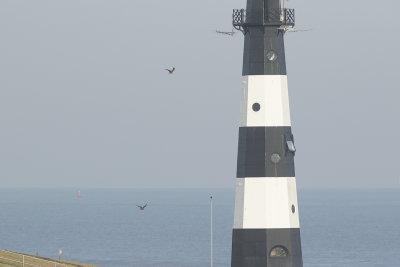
x=266, y=203
x=271, y=92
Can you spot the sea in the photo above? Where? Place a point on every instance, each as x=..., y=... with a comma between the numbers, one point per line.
x=104, y=227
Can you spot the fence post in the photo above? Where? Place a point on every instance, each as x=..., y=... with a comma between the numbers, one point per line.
x=23, y=260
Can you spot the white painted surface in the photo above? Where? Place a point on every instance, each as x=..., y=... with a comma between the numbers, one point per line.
x=271, y=92
x=239, y=203
x=266, y=203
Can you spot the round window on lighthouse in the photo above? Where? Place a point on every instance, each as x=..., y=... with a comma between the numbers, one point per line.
x=278, y=252
x=271, y=55
x=275, y=158
x=256, y=107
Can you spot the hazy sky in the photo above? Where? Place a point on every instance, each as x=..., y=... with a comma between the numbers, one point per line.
x=85, y=102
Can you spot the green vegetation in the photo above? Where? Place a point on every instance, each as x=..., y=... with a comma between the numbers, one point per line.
x=14, y=259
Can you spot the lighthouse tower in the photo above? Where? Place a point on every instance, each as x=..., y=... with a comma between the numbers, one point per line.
x=266, y=229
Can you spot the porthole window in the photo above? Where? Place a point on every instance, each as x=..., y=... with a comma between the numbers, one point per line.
x=256, y=107
x=278, y=252
x=271, y=55
x=275, y=158
x=293, y=209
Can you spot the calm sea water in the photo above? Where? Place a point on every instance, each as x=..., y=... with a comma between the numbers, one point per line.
x=104, y=227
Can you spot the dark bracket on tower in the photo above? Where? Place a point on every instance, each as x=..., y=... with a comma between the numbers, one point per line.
x=290, y=144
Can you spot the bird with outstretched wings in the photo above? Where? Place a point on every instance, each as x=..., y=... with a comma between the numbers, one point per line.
x=142, y=207
x=171, y=71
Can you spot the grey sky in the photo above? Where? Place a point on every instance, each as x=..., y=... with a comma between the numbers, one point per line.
x=85, y=102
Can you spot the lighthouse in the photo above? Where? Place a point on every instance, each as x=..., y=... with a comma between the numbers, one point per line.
x=266, y=230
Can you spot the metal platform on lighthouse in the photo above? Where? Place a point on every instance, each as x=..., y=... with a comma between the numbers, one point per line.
x=282, y=18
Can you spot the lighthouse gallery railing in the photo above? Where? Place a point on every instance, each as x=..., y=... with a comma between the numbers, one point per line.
x=275, y=17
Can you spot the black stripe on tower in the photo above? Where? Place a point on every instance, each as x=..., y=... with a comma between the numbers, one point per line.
x=264, y=49
x=264, y=52
x=264, y=152
x=266, y=247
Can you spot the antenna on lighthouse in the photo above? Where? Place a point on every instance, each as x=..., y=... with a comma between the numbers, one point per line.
x=231, y=33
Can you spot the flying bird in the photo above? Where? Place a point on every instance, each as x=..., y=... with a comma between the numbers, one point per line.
x=142, y=207
x=171, y=71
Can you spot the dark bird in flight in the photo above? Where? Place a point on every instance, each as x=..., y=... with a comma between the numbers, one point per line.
x=142, y=207
x=171, y=71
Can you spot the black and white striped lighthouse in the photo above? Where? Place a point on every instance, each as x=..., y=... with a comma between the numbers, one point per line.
x=266, y=229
